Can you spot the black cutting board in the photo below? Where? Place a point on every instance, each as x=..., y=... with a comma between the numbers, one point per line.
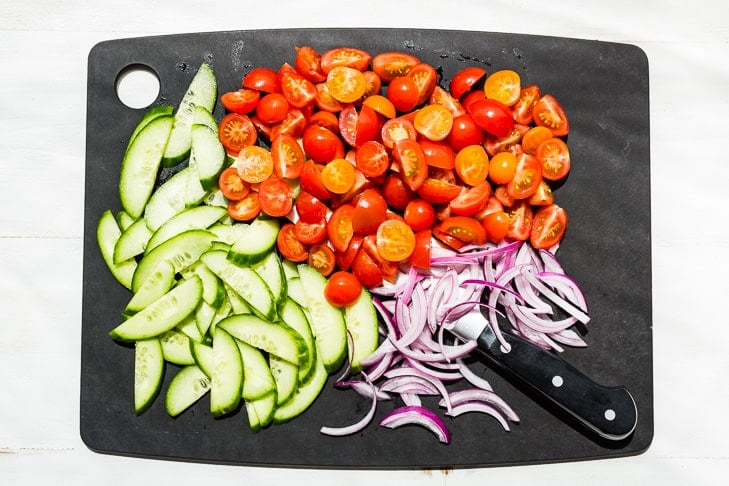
x=603, y=88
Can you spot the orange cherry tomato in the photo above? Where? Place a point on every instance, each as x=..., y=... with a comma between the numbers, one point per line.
x=533, y=137
x=346, y=84
x=548, y=227
x=338, y=176
x=275, y=197
x=433, y=122
x=235, y=132
x=497, y=226
x=321, y=257
x=381, y=105
x=232, y=186
x=246, y=209
x=342, y=289
x=288, y=157
x=554, y=155
x=549, y=113
x=254, y=164
x=472, y=164
x=290, y=246
x=527, y=178
x=339, y=227
x=413, y=167
x=395, y=240
x=465, y=229
x=503, y=86
x=391, y=65
x=502, y=167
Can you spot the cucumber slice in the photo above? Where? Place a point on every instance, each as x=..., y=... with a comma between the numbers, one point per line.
x=295, y=291
x=278, y=338
x=203, y=116
x=260, y=411
x=258, y=240
x=176, y=348
x=361, y=321
x=213, y=288
x=327, y=321
x=257, y=378
x=215, y=198
x=207, y=156
x=201, y=92
x=244, y=281
x=155, y=286
x=141, y=163
x=132, y=241
x=124, y=220
x=304, y=396
x=204, y=315
x=179, y=192
x=149, y=367
x=188, y=327
x=289, y=268
x=181, y=251
x=203, y=355
x=188, y=386
x=240, y=306
x=198, y=217
x=161, y=315
x=228, y=233
x=150, y=115
x=107, y=235
x=293, y=316
x=286, y=376
x=270, y=270
x=220, y=313
x=227, y=377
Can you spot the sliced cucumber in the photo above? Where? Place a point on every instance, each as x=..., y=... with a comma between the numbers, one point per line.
x=293, y=315
x=107, y=235
x=141, y=163
x=257, y=378
x=227, y=377
x=278, y=338
x=207, y=156
x=215, y=197
x=244, y=281
x=203, y=355
x=149, y=367
x=304, y=396
x=204, y=315
x=221, y=313
x=203, y=116
x=203, y=91
x=295, y=291
x=179, y=192
x=290, y=269
x=181, y=251
x=361, y=321
x=240, y=306
x=124, y=220
x=157, y=284
x=327, y=321
x=188, y=386
x=198, y=217
x=270, y=270
x=188, y=327
x=228, y=233
x=286, y=376
x=161, y=315
x=132, y=241
x=151, y=114
x=176, y=348
x=261, y=411
x=213, y=287
x=258, y=240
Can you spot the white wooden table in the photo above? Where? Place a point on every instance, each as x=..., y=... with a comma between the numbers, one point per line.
x=43, y=55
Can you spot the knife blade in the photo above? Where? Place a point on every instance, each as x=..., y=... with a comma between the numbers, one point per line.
x=609, y=412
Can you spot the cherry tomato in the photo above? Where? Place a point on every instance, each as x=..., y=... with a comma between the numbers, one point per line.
x=345, y=258
x=425, y=77
x=241, y=101
x=311, y=233
x=391, y=65
x=381, y=105
x=492, y=205
x=254, y=164
x=471, y=97
x=235, y=132
x=345, y=56
x=272, y=108
x=543, y=195
x=548, y=113
x=503, y=86
x=438, y=154
x=308, y=64
x=554, y=156
x=325, y=119
x=338, y=176
x=324, y=99
x=346, y=84
x=548, y=227
x=275, y=197
x=366, y=270
x=342, y=289
x=395, y=240
x=527, y=178
x=232, y=186
x=465, y=132
x=309, y=208
x=465, y=79
x=471, y=199
x=389, y=268
x=339, y=227
x=310, y=181
x=288, y=157
x=520, y=220
x=262, y=79
x=321, y=144
x=503, y=197
x=497, y=226
x=403, y=92
x=493, y=116
x=463, y=228
x=246, y=209
x=528, y=97
x=396, y=193
x=472, y=164
x=372, y=158
x=373, y=84
x=433, y=122
x=414, y=169
x=533, y=137
x=508, y=142
x=438, y=191
x=443, y=98
x=369, y=212
x=421, y=254
x=293, y=124
x=502, y=167
x=419, y=214
x=358, y=127
x=290, y=246
x=397, y=129
x=321, y=257
x=298, y=90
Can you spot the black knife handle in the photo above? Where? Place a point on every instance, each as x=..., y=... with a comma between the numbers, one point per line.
x=608, y=411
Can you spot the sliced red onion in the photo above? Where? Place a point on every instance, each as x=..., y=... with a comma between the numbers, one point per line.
x=416, y=415
x=359, y=425
x=364, y=389
x=479, y=407
x=410, y=399
x=478, y=395
x=472, y=377
x=551, y=295
x=569, y=337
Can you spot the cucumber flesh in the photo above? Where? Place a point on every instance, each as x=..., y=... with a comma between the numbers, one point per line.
x=278, y=338
x=203, y=355
x=157, y=284
x=271, y=271
x=176, y=348
x=257, y=378
x=260, y=411
x=304, y=396
x=203, y=116
x=188, y=386
x=151, y=114
x=293, y=316
x=227, y=375
x=362, y=325
x=132, y=241
x=198, y=217
x=149, y=366
x=286, y=376
x=257, y=241
x=107, y=235
x=207, y=155
x=179, y=192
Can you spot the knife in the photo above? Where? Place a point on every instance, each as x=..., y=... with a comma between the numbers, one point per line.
x=609, y=412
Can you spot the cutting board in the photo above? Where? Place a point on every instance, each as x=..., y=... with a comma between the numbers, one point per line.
x=604, y=90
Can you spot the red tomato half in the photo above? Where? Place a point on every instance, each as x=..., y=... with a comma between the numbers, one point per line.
x=369, y=212
x=391, y=65
x=345, y=56
x=339, y=228
x=321, y=257
x=421, y=254
x=288, y=157
x=321, y=144
x=308, y=64
x=549, y=113
x=366, y=270
x=414, y=168
x=298, y=90
x=262, y=79
x=527, y=178
x=548, y=227
x=309, y=208
x=554, y=156
x=465, y=229
x=465, y=79
x=311, y=233
x=276, y=197
x=290, y=246
x=242, y=101
x=471, y=199
x=493, y=116
x=310, y=181
x=236, y=131
x=419, y=214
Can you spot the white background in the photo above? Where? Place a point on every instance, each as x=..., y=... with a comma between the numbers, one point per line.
x=44, y=46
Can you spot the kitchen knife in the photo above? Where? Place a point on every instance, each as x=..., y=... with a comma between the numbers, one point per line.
x=608, y=411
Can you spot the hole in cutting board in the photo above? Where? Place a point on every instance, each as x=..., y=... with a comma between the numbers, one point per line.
x=137, y=86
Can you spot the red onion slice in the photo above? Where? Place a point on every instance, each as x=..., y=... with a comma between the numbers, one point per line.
x=360, y=424
x=416, y=415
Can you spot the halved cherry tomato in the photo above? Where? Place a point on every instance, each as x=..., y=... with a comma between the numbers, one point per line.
x=272, y=108
x=254, y=164
x=419, y=214
x=438, y=191
x=288, y=157
x=381, y=105
x=246, y=209
x=543, y=195
x=372, y=158
x=324, y=99
x=358, y=127
x=527, y=178
x=275, y=197
x=338, y=176
x=321, y=257
x=532, y=138
x=528, y=97
x=391, y=65
x=471, y=97
x=404, y=93
x=520, y=220
x=326, y=120
x=346, y=84
x=264, y=129
x=369, y=212
x=548, y=227
x=438, y=154
x=497, y=226
x=389, y=268
x=414, y=169
x=494, y=144
x=373, y=84
x=443, y=98
x=493, y=116
x=465, y=132
x=311, y=233
x=549, y=113
x=471, y=199
x=425, y=77
x=242, y=101
x=309, y=208
x=308, y=64
x=290, y=246
x=397, y=129
x=503, y=197
x=342, y=289
x=503, y=86
x=339, y=227
x=360, y=184
x=433, y=122
x=396, y=193
x=235, y=132
x=298, y=90
x=492, y=205
x=554, y=156
x=294, y=124
x=502, y=167
x=231, y=185
x=366, y=270
x=321, y=144
x=465, y=79
x=463, y=228
x=395, y=240
x=421, y=254
x=262, y=79
x=310, y=181
x=345, y=258
x=472, y=164
x=345, y=56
